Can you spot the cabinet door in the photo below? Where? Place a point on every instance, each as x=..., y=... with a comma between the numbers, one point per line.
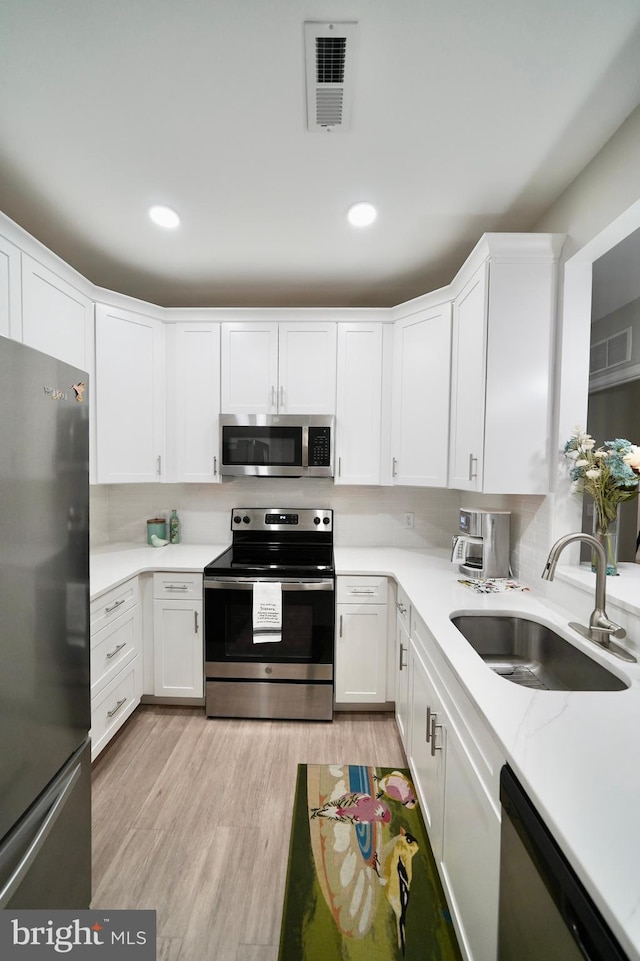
x=468, y=384
x=471, y=855
x=402, y=680
x=427, y=745
x=193, y=395
x=307, y=368
x=10, y=290
x=177, y=648
x=249, y=369
x=129, y=396
x=361, y=654
x=358, y=404
x=422, y=347
x=56, y=318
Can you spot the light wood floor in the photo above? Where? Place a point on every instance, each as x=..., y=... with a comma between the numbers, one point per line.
x=191, y=817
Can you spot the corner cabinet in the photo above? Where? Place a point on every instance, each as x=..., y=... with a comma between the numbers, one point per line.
x=359, y=403
x=130, y=400
x=193, y=402
x=502, y=365
x=456, y=764
x=420, y=403
x=278, y=368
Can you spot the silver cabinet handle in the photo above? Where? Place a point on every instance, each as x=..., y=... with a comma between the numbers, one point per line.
x=394, y=466
x=428, y=733
x=119, y=603
x=195, y=622
x=176, y=587
x=401, y=607
x=339, y=466
x=158, y=464
x=215, y=466
x=117, y=707
x=363, y=592
x=402, y=664
x=113, y=653
x=281, y=400
x=473, y=473
x=273, y=396
x=434, y=727
x=340, y=632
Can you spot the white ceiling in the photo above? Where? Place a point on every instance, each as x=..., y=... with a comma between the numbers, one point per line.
x=468, y=116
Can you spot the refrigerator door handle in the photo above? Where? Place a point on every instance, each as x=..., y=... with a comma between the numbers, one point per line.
x=50, y=817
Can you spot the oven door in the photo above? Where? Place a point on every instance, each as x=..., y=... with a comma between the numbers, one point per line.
x=308, y=622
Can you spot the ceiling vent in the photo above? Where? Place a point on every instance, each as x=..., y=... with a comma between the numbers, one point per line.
x=329, y=54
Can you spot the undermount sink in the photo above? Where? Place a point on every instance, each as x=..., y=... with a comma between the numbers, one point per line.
x=531, y=654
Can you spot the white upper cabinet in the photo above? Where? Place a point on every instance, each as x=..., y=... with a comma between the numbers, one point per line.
x=359, y=403
x=56, y=317
x=270, y=368
x=468, y=383
x=10, y=290
x=193, y=402
x=130, y=401
x=502, y=366
x=420, y=415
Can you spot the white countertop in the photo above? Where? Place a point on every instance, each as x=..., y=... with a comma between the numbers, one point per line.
x=576, y=753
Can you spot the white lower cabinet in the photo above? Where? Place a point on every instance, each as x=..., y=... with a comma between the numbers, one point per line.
x=401, y=665
x=456, y=765
x=178, y=660
x=361, y=640
x=116, y=661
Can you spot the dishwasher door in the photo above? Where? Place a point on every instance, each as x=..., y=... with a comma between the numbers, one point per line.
x=545, y=912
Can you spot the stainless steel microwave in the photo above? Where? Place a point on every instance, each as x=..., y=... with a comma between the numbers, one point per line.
x=277, y=445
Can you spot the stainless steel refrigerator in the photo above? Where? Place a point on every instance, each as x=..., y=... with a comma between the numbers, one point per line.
x=45, y=804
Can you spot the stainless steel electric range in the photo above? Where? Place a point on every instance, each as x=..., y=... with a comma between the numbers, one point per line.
x=269, y=617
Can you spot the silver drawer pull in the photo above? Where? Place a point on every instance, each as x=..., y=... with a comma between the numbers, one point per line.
x=195, y=622
x=401, y=607
x=176, y=587
x=117, y=707
x=108, y=610
x=428, y=733
x=115, y=650
x=368, y=592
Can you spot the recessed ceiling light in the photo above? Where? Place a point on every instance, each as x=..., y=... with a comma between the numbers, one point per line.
x=362, y=214
x=164, y=216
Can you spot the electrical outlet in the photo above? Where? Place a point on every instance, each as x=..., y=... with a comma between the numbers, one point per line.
x=407, y=520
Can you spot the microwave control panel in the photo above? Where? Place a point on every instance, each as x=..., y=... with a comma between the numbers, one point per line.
x=319, y=446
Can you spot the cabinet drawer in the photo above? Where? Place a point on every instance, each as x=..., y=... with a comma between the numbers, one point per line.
x=113, y=647
x=403, y=609
x=361, y=590
x=172, y=585
x=113, y=603
x=114, y=704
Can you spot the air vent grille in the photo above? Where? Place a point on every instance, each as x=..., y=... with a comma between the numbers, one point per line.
x=610, y=352
x=330, y=57
x=329, y=52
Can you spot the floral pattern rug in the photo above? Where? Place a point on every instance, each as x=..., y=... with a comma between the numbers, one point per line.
x=361, y=881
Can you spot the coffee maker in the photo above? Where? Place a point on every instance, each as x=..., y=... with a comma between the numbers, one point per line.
x=481, y=547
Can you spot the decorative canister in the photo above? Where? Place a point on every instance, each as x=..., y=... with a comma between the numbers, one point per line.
x=156, y=526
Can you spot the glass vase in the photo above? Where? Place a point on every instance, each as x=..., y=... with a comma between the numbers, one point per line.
x=608, y=537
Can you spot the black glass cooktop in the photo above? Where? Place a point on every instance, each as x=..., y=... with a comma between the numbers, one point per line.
x=275, y=560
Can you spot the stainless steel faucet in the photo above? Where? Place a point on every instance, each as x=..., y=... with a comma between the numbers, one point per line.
x=600, y=630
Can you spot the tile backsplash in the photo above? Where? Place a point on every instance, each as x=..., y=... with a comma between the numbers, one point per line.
x=364, y=516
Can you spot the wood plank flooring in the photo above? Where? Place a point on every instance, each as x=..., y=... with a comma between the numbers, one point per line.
x=192, y=817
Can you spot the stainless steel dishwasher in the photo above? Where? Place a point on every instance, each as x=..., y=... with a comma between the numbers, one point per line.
x=546, y=913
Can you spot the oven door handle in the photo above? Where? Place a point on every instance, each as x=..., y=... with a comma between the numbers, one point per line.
x=246, y=584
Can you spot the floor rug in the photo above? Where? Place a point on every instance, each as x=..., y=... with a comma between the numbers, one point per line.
x=362, y=884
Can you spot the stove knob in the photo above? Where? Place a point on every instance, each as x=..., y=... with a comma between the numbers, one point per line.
x=326, y=520
x=246, y=519
x=237, y=519
x=316, y=520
